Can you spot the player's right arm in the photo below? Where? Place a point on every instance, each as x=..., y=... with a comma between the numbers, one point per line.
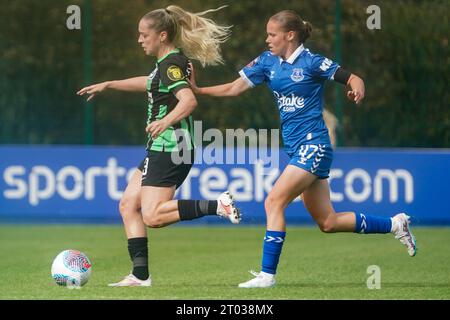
x=136, y=84
x=231, y=89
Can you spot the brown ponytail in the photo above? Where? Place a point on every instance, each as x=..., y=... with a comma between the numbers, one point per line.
x=291, y=21
x=306, y=32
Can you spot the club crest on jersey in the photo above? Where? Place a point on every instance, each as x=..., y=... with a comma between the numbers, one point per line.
x=174, y=73
x=297, y=75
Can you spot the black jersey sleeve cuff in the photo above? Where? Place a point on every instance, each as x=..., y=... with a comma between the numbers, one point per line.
x=341, y=75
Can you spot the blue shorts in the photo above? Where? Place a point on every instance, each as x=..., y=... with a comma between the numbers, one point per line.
x=314, y=158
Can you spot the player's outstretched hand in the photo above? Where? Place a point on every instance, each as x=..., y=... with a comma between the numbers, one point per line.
x=355, y=96
x=92, y=90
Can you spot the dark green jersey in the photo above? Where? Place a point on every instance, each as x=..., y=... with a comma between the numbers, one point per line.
x=169, y=76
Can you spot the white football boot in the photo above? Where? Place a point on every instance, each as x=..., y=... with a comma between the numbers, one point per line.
x=226, y=208
x=261, y=280
x=131, y=281
x=401, y=231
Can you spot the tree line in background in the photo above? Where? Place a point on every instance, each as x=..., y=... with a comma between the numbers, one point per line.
x=405, y=66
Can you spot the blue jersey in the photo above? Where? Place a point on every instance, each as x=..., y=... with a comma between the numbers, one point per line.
x=297, y=85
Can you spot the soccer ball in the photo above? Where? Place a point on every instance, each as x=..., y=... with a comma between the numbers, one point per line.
x=71, y=268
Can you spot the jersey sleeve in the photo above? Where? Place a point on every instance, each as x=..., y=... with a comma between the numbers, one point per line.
x=323, y=68
x=174, y=74
x=254, y=72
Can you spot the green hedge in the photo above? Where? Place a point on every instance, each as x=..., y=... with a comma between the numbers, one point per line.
x=405, y=66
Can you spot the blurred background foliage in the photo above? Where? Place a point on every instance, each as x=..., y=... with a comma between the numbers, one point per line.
x=405, y=66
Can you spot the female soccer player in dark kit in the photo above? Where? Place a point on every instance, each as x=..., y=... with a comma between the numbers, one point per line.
x=173, y=36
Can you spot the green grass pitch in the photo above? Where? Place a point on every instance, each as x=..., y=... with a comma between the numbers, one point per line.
x=207, y=262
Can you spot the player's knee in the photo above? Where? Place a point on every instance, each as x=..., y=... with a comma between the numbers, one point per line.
x=152, y=221
x=151, y=217
x=273, y=204
x=126, y=206
x=327, y=225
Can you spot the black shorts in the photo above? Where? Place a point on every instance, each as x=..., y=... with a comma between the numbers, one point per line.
x=158, y=169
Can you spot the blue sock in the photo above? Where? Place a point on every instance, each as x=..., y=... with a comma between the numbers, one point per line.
x=372, y=224
x=273, y=243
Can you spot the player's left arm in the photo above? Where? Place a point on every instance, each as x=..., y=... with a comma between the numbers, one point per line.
x=185, y=106
x=356, y=84
x=358, y=89
x=324, y=68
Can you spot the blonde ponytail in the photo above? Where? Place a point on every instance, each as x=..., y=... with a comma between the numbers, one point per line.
x=198, y=37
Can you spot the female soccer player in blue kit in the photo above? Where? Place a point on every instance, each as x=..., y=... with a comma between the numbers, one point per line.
x=296, y=77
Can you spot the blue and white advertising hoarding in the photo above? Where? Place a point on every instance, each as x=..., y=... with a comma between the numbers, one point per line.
x=66, y=184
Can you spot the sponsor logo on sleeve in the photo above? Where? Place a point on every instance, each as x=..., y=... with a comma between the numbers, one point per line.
x=326, y=64
x=252, y=63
